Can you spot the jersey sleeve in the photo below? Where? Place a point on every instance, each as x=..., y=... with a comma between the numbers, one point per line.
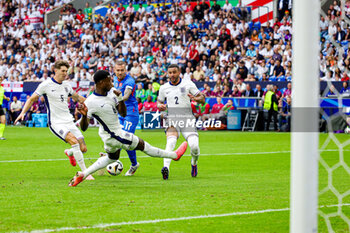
x=161, y=95
x=130, y=84
x=41, y=89
x=193, y=89
x=89, y=107
x=70, y=90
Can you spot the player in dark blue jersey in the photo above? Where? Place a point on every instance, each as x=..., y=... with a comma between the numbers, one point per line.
x=126, y=84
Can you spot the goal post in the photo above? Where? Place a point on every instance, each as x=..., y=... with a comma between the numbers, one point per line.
x=305, y=117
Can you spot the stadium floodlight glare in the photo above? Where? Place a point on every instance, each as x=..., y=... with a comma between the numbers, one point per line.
x=305, y=104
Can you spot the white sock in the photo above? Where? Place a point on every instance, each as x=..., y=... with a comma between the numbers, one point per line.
x=78, y=155
x=193, y=143
x=170, y=146
x=156, y=152
x=100, y=163
x=70, y=152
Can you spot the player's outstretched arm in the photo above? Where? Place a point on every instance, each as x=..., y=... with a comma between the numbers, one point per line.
x=6, y=98
x=78, y=98
x=127, y=94
x=199, y=98
x=121, y=105
x=27, y=106
x=84, y=123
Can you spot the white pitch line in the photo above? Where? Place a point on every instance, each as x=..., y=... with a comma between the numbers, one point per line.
x=171, y=219
x=145, y=156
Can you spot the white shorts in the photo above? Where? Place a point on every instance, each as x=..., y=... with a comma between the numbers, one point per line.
x=186, y=130
x=61, y=130
x=122, y=140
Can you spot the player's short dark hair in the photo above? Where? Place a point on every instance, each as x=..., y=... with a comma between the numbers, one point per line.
x=100, y=75
x=60, y=63
x=174, y=66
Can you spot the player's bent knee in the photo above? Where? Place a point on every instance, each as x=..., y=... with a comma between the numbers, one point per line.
x=171, y=132
x=141, y=145
x=83, y=148
x=71, y=139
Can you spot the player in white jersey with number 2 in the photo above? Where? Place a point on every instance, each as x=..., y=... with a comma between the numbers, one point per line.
x=178, y=94
x=60, y=121
x=104, y=105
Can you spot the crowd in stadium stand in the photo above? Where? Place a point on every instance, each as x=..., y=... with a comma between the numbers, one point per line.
x=209, y=43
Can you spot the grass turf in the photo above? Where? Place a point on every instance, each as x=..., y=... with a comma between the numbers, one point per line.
x=238, y=172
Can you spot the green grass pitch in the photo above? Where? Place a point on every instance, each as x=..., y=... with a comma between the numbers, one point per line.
x=238, y=174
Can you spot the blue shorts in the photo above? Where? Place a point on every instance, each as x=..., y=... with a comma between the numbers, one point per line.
x=129, y=123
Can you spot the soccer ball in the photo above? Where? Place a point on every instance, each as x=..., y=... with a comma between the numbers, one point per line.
x=115, y=168
x=347, y=130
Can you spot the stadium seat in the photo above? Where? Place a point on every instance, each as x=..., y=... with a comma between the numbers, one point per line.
x=29, y=123
x=23, y=98
x=272, y=79
x=40, y=120
x=282, y=78
x=250, y=24
x=289, y=78
x=257, y=26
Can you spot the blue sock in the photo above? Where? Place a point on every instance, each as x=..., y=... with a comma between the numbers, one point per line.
x=132, y=157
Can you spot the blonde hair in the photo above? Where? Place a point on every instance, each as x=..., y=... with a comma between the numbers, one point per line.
x=120, y=63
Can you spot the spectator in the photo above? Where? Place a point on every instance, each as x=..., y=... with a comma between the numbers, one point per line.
x=345, y=89
x=88, y=11
x=259, y=92
x=151, y=92
x=242, y=70
x=271, y=105
x=208, y=92
x=135, y=71
x=283, y=6
x=277, y=92
x=339, y=35
x=248, y=92
x=278, y=71
x=198, y=75
x=15, y=109
x=149, y=105
x=41, y=106
x=227, y=6
x=71, y=106
x=288, y=91
x=33, y=109
x=200, y=110
x=217, y=92
x=236, y=92
x=215, y=7
x=285, y=115
x=216, y=112
x=224, y=111
x=141, y=93
x=93, y=61
x=241, y=86
x=227, y=92
x=188, y=75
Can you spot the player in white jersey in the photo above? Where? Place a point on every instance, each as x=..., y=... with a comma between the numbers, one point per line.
x=104, y=105
x=178, y=94
x=60, y=121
